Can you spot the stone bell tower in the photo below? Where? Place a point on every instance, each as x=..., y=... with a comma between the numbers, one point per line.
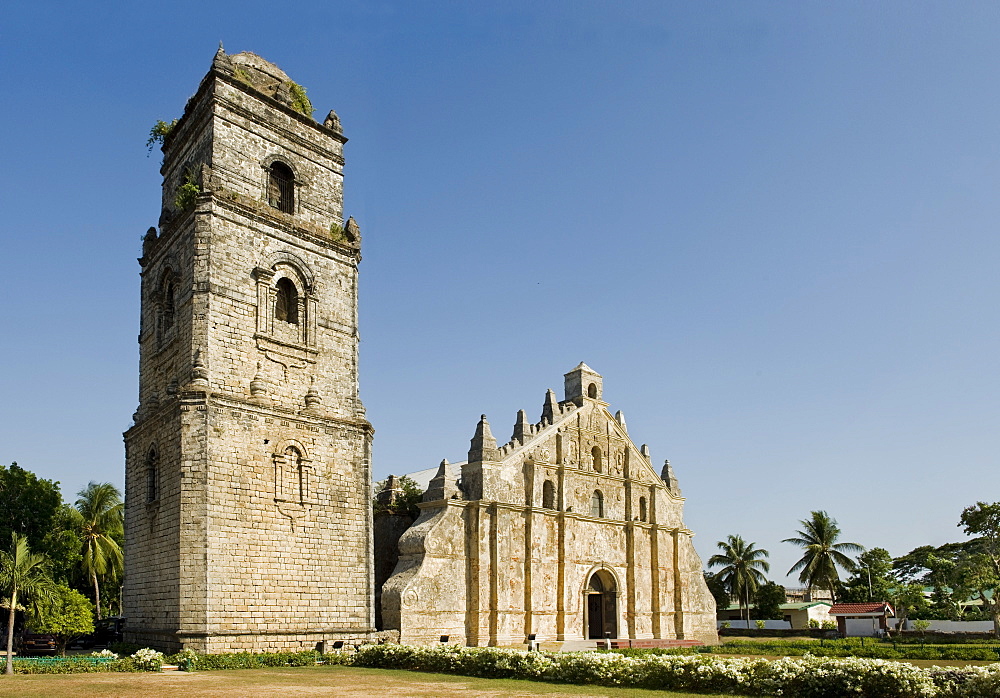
x=248, y=524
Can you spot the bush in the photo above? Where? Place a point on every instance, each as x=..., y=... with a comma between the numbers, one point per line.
x=243, y=660
x=810, y=677
x=123, y=649
x=847, y=647
x=72, y=665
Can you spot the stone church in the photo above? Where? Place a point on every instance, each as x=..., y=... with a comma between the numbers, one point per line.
x=248, y=515
x=565, y=532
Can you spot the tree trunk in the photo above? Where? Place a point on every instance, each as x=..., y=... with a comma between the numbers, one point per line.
x=10, y=633
x=97, y=594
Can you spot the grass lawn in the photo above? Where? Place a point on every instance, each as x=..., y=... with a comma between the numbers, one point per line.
x=344, y=682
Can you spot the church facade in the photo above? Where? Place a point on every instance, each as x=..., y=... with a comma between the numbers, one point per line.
x=566, y=532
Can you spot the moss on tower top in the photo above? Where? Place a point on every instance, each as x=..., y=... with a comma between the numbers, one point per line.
x=264, y=77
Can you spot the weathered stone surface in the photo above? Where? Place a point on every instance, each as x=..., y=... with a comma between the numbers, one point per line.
x=569, y=504
x=257, y=533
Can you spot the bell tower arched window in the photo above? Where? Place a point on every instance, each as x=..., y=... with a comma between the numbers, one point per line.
x=152, y=475
x=169, y=305
x=286, y=302
x=281, y=187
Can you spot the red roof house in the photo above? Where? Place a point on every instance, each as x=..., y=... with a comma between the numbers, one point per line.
x=877, y=612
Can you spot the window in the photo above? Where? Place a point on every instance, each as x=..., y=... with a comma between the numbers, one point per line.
x=169, y=305
x=597, y=504
x=598, y=457
x=281, y=187
x=642, y=508
x=293, y=477
x=152, y=475
x=592, y=390
x=286, y=302
x=548, y=495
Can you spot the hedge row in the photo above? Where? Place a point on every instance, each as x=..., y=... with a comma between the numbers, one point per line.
x=75, y=665
x=805, y=677
x=853, y=647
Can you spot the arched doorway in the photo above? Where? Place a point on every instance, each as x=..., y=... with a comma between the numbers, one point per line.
x=602, y=605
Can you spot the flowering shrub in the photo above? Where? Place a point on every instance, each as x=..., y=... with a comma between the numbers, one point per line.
x=849, y=647
x=805, y=677
x=186, y=659
x=148, y=660
x=104, y=654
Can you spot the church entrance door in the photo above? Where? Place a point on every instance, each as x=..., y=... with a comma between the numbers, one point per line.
x=602, y=606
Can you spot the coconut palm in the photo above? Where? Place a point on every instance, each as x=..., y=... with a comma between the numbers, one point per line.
x=823, y=554
x=23, y=580
x=100, y=519
x=743, y=569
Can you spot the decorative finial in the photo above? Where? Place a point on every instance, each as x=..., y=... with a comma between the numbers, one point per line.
x=258, y=388
x=199, y=371
x=442, y=485
x=550, y=407
x=352, y=232
x=313, y=400
x=484, y=446
x=332, y=121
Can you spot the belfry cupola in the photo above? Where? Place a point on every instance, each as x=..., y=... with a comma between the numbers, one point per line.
x=583, y=382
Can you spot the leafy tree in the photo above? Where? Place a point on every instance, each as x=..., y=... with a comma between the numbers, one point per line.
x=27, y=504
x=742, y=570
x=980, y=569
x=823, y=554
x=67, y=616
x=872, y=579
x=403, y=504
x=768, y=600
x=908, y=600
x=913, y=566
x=718, y=589
x=23, y=584
x=101, y=522
x=62, y=546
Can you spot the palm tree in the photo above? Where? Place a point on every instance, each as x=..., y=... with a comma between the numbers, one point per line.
x=100, y=518
x=742, y=570
x=818, y=565
x=24, y=578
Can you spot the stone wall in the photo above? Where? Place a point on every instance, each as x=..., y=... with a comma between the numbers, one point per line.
x=261, y=531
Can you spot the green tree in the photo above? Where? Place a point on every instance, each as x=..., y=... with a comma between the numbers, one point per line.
x=62, y=546
x=404, y=502
x=24, y=583
x=767, y=602
x=872, y=579
x=980, y=570
x=743, y=567
x=27, y=504
x=823, y=554
x=718, y=590
x=908, y=600
x=67, y=616
x=101, y=522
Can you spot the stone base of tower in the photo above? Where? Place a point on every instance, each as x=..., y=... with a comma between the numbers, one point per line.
x=270, y=641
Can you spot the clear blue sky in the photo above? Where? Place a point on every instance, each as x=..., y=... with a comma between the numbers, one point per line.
x=772, y=227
